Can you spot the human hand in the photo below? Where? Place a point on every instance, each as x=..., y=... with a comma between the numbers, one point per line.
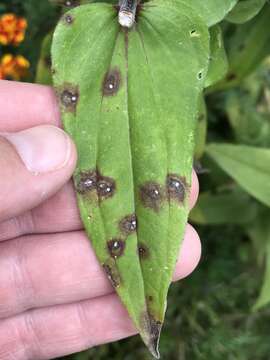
x=54, y=296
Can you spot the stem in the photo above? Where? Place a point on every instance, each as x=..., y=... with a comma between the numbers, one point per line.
x=127, y=12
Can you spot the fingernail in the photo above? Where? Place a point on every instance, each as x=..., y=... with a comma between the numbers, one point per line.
x=42, y=148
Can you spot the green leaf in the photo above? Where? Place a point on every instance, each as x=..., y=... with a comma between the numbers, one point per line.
x=248, y=46
x=245, y=10
x=264, y=297
x=201, y=131
x=211, y=11
x=133, y=124
x=218, y=59
x=234, y=207
x=247, y=165
x=44, y=74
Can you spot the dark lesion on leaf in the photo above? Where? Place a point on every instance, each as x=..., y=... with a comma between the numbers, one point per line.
x=68, y=3
x=112, y=273
x=176, y=187
x=116, y=248
x=128, y=224
x=68, y=19
x=143, y=251
x=92, y=180
x=152, y=195
x=87, y=182
x=69, y=96
x=111, y=82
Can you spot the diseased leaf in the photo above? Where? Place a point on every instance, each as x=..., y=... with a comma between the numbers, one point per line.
x=245, y=10
x=134, y=127
x=248, y=165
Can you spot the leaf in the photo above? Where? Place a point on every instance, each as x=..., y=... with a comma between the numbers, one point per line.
x=247, y=165
x=245, y=10
x=133, y=124
x=233, y=207
x=247, y=48
x=218, y=66
x=211, y=11
x=264, y=297
x=201, y=131
x=43, y=74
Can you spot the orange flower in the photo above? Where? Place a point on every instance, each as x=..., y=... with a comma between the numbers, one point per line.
x=13, y=67
x=12, y=29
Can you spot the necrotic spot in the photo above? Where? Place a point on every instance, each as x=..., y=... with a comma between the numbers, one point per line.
x=87, y=182
x=152, y=195
x=176, y=187
x=68, y=19
x=105, y=187
x=143, y=251
x=69, y=97
x=128, y=225
x=111, y=82
x=112, y=274
x=116, y=247
x=93, y=181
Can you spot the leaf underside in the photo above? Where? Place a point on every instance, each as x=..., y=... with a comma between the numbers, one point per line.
x=129, y=100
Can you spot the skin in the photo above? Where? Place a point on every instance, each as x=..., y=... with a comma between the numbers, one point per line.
x=54, y=297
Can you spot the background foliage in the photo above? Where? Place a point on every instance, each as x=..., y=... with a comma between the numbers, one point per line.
x=221, y=311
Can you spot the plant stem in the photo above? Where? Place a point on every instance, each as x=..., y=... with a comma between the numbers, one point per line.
x=127, y=12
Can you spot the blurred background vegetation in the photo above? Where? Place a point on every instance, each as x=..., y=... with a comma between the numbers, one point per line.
x=221, y=311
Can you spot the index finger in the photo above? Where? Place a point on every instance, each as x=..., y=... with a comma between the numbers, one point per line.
x=24, y=105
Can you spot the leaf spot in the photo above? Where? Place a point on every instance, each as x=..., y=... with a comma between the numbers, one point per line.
x=68, y=19
x=152, y=195
x=87, y=182
x=128, y=224
x=116, y=248
x=143, y=251
x=176, y=187
x=69, y=97
x=112, y=274
x=111, y=82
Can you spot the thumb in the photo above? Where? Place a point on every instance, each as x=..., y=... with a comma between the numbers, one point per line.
x=34, y=164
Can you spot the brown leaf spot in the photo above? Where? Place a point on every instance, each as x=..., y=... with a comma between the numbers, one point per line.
x=93, y=181
x=68, y=19
x=113, y=274
x=105, y=187
x=128, y=225
x=143, y=251
x=69, y=96
x=69, y=3
x=116, y=248
x=155, y=330
x=176, y=187
x=87, y=182
x=152, y=195
x=111, y=82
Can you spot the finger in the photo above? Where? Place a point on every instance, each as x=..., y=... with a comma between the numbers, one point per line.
x=60, y=330
x=59, y=213
x=42, y=270
x=34, y=164
x=24, y=105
